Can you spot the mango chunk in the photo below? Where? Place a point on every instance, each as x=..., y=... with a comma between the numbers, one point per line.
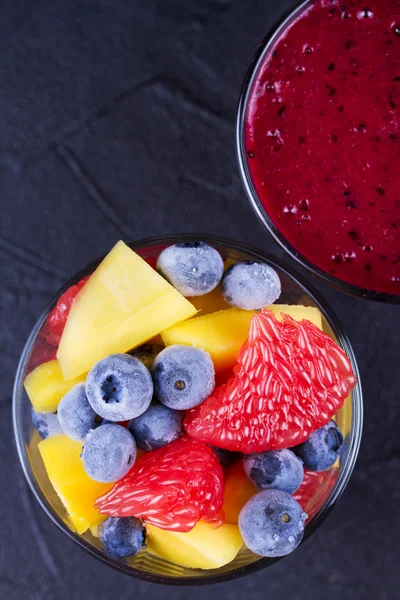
x=123, y=304
x=224, y=332
x=210, y=303
x=238, y=490
x=221, y=333
x=204, y=547
x=298, y=312
x=46, y=385
x=77, y=491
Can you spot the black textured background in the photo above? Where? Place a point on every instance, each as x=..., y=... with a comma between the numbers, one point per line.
x=117, y=121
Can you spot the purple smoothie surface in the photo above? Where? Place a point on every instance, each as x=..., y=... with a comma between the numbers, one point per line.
x=322, y=135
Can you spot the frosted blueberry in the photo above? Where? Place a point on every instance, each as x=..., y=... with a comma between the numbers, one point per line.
x=109, y=453
x=75, y=414
x=183, y=376
x=119, y=387
x=46, y=424
x=155, y=428
x=122, y=536
x=278, y=469
x=272, y=523
x=193, y=268
x=250, y=285
x=322, y=448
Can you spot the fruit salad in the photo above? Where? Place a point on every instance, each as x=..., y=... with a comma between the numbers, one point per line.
x=182, y=409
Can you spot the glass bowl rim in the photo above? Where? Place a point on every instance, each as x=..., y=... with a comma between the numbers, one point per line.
x=344, y=473
x=273, y=33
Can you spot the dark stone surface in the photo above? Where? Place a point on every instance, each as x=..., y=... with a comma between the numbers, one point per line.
x=118, y=121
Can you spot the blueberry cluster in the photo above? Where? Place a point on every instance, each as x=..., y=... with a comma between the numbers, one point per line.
x=272, y=522
x=120, y=388
x=195, y=268
x=117, y=389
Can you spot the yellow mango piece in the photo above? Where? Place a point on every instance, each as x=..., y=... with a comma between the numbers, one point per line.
x=238, y=490
x=123, y=304
x=77, y=491
x=224, y=332
x=46, y=385
x=221, y=333
x=204, y=547
x=298, y=312
x=210, y=303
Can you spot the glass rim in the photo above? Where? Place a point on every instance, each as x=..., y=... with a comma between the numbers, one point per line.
x=344, y=472
x=247, y=86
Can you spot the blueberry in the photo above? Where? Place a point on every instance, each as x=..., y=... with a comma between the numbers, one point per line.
x=119, y=387
x=155, y=428
x=250, y=285
x=109, y=453
x=272, y=523
x=122, y=536
x=278, y=469
x=226, y=457
x=183, y=376
x=75, y=414
x=46, y=424
x=193, y=268
x=146, y=353
x=322, y=448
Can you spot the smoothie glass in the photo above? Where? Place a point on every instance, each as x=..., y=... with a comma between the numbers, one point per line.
x=335, y=114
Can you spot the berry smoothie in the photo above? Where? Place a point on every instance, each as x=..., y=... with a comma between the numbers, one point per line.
x=322, y=135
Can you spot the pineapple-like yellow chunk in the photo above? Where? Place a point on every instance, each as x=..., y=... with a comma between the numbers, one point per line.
x=46, y=385
x=221, y=333
x=298, y=312
x=204, y=547
x=224, y=332
x=123, y=304
x=76, y=490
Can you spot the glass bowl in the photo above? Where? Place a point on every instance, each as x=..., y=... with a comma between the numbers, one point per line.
x=295, y=290
x=252, y=73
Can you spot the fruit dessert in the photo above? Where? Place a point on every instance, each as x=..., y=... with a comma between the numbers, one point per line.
x=322, y=138
x=184, y=410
